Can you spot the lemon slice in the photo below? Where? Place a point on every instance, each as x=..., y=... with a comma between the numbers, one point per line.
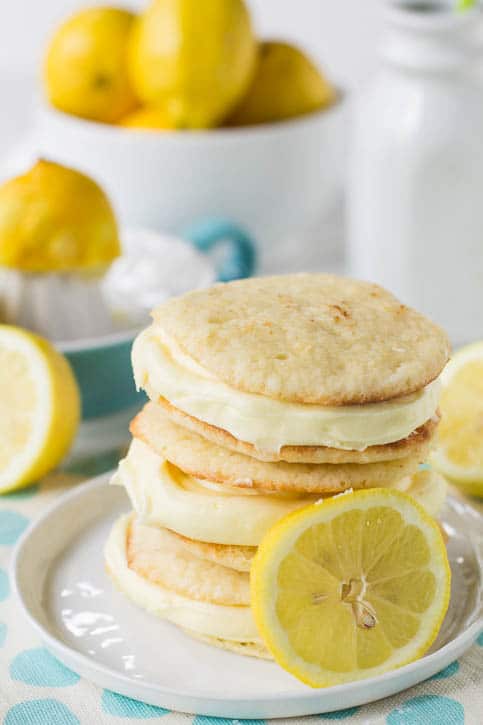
x=351, y=587
x=39, y=408
x=459, y=454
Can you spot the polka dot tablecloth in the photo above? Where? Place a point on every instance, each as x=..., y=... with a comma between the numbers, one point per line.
x=36, y=689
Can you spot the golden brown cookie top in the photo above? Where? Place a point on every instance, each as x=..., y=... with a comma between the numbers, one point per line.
x=309, y=338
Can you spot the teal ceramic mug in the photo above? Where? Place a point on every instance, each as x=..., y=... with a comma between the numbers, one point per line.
x=102, y=366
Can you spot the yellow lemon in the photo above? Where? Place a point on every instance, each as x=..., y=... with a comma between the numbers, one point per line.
x=286, y=84
x=149, y=118
x=85, y=70
x=40, y=407
x=351, y=587
x=194, y=59
x=459, y=453
x=55, y=219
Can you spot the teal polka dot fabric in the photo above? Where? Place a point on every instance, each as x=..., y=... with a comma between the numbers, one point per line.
x=37, y=689
x=340, y=714
x=448, y=671
x=39, y=668
x=12, y=525
x=40, y=712
x=428, y=709
x=125, y=707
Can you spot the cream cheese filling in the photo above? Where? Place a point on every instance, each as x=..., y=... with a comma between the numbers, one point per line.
x=163, y=369
x=164, y=496
x=234, y=623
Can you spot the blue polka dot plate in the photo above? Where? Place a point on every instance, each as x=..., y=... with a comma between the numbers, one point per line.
x=65, y=594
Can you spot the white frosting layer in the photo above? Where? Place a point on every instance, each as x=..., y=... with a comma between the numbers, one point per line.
x=164, y=370
x=234, y=623
x=162, y=495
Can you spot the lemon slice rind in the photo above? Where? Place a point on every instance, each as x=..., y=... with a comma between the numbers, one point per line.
x=282, y=538
x=52, y=418
x=469, y=476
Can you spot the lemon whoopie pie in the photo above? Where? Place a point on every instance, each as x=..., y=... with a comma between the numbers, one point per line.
x=267, y=396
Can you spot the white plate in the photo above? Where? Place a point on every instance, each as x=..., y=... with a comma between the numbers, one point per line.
x=59, y=576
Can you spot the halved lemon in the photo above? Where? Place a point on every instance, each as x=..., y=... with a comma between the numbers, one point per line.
x=459, y=454
x=351, y=587
x=39, y=407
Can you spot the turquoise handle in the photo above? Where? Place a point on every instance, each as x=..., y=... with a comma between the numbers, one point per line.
x=241, y=260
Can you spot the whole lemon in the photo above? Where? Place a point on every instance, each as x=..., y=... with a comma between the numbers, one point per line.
x=287, y=84
x=55, y=219
x=149, y=118
x=85, y=71
x=195, y=59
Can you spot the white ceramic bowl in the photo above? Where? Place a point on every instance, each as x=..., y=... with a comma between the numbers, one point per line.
x=275, y=180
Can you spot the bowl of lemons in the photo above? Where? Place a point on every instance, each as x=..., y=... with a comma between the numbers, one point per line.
x=181, y=114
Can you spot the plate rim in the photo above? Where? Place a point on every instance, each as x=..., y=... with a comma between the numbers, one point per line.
x=426, y=665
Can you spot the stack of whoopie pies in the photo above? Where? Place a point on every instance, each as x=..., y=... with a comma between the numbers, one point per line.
x=266, y=395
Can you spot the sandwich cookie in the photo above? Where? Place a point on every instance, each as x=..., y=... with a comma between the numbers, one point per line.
x=301, y=362
x=224, y=625
x=203, y=459
x=163, y=496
